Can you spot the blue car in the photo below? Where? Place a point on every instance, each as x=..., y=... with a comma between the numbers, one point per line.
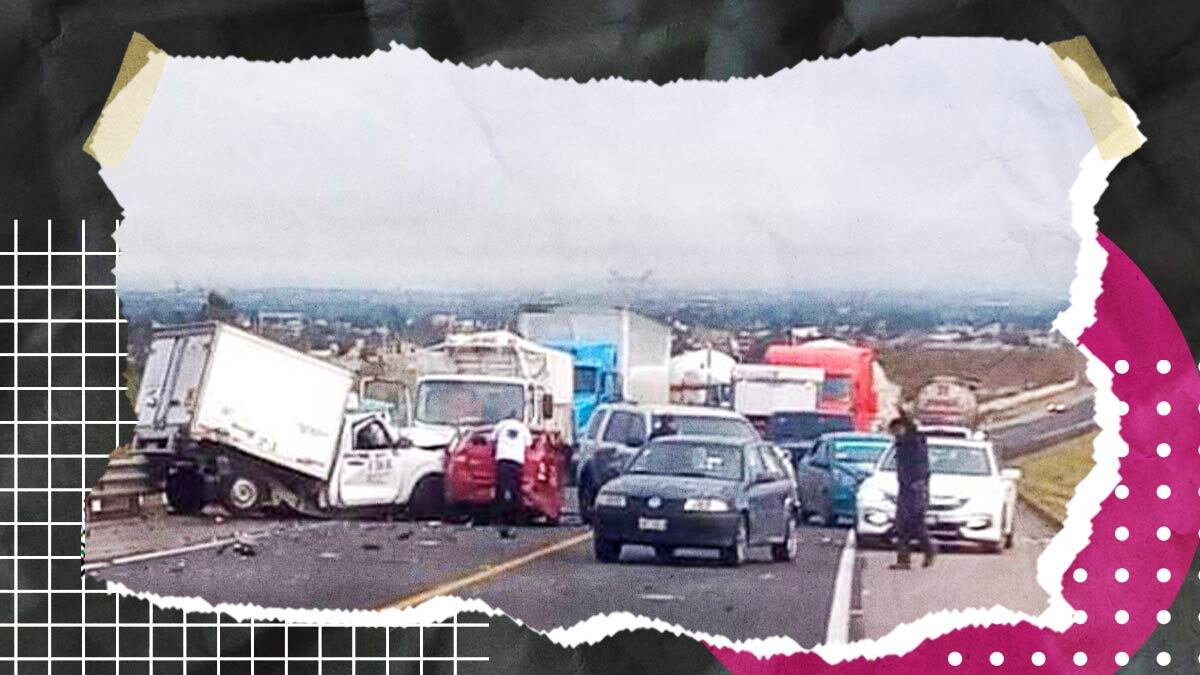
x=828, y=477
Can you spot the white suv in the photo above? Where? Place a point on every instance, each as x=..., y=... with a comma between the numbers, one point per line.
x=617, y=431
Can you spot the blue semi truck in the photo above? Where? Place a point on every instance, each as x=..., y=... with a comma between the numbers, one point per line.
x=596, y=376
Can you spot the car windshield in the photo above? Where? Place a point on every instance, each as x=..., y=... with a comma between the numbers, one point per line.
x=727, y=427
x=585, y=379
x=699, y=460
x=949, y=459
x=859, y=452
x=805, y=426
x=464, y=402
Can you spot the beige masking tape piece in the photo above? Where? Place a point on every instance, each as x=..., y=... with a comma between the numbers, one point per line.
x=123, y=112
x=1106, y=114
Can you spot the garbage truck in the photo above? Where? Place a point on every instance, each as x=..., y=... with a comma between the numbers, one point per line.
x=468, y=384
x=226, y=416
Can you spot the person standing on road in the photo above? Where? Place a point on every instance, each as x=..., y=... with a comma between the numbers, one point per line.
x=912, y=500
x=512, y=438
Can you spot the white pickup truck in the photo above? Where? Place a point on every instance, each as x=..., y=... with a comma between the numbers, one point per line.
x=228, y=416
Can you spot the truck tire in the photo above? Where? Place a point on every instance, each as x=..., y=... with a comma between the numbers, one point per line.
x=185, y=490
x=428, y=498
x=242, y=495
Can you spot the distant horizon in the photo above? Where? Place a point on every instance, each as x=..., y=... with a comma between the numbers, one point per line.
x=972, y=295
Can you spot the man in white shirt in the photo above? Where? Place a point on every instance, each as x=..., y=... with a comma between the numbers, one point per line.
x=513, y=439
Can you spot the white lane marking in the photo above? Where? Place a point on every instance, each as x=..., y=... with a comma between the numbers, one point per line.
x=167, y=553
x=838, y=631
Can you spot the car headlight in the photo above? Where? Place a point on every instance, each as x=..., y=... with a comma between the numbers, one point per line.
x=610, y=500
x=706, y=504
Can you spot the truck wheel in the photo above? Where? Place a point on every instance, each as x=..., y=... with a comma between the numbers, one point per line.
x=185, y=492
x=428, y=498
x=241, y=495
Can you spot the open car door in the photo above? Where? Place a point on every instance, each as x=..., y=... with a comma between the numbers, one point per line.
x=368, y=468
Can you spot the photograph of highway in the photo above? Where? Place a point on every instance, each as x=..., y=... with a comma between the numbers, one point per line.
x=535, y=344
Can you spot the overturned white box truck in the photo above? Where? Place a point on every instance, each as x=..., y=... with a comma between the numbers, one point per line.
x=228, y=416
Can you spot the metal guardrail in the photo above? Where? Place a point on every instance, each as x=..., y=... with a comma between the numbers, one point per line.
x=124, y=490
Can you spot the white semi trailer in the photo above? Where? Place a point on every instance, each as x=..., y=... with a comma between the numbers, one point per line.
x=643, y=345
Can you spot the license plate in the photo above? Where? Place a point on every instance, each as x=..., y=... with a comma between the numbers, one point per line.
x=656, y=524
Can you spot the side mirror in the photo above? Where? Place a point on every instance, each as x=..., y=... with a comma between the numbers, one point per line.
x=1011, y=474
x=547, y=407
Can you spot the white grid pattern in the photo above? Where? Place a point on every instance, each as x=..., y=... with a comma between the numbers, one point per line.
x=92, y=594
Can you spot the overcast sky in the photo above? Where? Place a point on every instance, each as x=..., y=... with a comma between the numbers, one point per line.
x=933, y=163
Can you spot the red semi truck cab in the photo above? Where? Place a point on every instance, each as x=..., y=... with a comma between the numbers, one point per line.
x=849, y=386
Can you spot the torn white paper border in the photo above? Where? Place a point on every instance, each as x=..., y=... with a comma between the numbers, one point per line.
x=119, y=125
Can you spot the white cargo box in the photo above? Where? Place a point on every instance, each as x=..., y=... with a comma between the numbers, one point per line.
x=213, y=382
x=760, y=390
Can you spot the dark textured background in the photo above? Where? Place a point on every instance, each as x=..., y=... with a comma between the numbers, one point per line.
x=59, y=60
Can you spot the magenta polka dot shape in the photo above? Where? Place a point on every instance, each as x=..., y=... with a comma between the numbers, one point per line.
x=1122, y=583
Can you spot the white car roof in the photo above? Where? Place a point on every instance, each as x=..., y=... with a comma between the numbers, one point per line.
x=678, y=410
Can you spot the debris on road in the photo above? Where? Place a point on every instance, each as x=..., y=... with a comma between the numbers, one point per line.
x=429, y=543
x=370, y=547
x=179, y=566
x=404, y=535
x=329, y=555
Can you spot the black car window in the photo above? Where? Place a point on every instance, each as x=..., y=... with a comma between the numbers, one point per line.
x=754, y=463
x=689, y=459
x=637, y=429
x=618, y=423
x=625, y=426
x=593, y=428
x=820, y=455
x=771, y=460
x=372, y=437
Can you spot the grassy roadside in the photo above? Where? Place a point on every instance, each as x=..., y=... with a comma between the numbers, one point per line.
x=1050, y=476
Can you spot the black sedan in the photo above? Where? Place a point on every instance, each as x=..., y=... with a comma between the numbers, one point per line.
x=696, y=492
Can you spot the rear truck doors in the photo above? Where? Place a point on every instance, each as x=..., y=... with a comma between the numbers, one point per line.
x=370, y=466
x=172, y=378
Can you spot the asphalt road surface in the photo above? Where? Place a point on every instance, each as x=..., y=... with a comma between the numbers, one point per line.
x=759, y=599
x=547, y=577
x=962, y=577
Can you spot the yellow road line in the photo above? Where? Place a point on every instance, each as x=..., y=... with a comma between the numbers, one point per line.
x=486, y=573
